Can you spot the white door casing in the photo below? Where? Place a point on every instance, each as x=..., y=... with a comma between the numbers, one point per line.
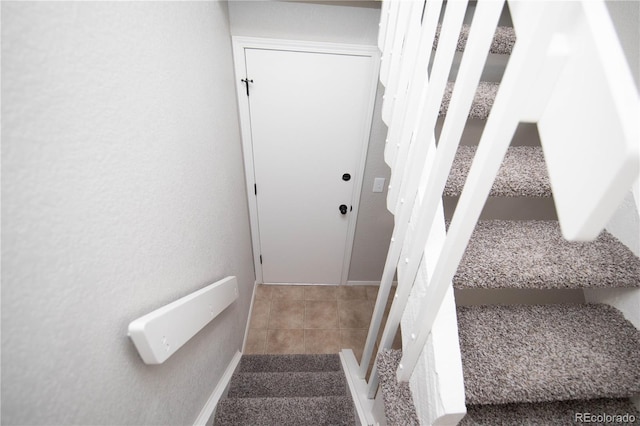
x=305, y=124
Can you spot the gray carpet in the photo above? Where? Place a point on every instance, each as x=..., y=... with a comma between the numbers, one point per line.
x=534, y=353
x=502, y=44
x=533, y=254
x=398, y=402
x=325, y=410
x=249, y=385
x=287, y=390
x=482, y=101
x=523, y=173
x=552, y=413
x=297, y=362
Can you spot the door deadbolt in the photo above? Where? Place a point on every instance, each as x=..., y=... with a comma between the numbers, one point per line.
x=343, y=208
x=346, y=177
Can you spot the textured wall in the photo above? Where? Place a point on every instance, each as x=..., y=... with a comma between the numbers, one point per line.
x=122, y=190
x=334, y=23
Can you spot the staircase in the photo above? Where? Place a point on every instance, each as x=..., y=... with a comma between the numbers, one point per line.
x=552, y=359
x=287, y=390
x=547, y=361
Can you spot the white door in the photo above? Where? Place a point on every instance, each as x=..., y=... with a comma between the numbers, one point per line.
x=310, y=114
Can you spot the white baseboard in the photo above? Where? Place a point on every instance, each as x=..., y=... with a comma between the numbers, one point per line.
x=209, y=409
x=246, y=327
x=357, y=389
x=373, y=283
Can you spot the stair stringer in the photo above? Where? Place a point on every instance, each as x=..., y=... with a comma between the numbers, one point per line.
x=437, y=383
x=625, y=226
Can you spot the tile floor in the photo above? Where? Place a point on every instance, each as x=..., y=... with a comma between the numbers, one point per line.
x=289, y=319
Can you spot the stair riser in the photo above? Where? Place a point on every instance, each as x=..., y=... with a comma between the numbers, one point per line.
x=252, y=385
x=285, y=411
x=289, y=363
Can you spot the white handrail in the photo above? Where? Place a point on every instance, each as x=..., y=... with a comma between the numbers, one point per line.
x=419, y=149
x=404, y=12
x=403, y=212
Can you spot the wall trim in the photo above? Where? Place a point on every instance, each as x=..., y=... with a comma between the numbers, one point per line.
x=246, y=327
x=209, y=409
x=358, y=389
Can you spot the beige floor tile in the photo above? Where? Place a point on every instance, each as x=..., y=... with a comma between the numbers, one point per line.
x=263, y=292
x=322, y=341
x=285, y=341
x=286, y=314
x=372, y=292
x=260, y=314
x=291, y=292
x=351, y=292
x=320, y=292
x=381, y=330
x=256, y=342
x=387, y=307
x=397, y=340
x=320, y=314
x=354, y=339
x=355, y=313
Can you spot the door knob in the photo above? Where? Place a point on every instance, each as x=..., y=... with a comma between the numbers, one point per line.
x=343, y=209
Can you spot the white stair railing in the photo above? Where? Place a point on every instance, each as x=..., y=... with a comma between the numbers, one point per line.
x=567, y=73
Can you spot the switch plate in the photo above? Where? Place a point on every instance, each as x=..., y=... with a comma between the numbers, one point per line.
x=378, y=184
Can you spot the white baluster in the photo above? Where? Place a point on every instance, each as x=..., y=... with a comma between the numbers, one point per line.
x=523, y=66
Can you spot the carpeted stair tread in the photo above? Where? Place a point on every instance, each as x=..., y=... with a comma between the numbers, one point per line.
x=398, y=402
x=523, y=173
x=288, y=384
x=282, y=363
x=552, y=413
x=530, y=353
x=533, y=254
x=323, y=410
x=482, y=101
x=502, y=44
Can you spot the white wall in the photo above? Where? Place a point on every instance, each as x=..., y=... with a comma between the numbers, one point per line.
x=122, y=190
x=334, y=23
x=375, y=222
x=338, y=22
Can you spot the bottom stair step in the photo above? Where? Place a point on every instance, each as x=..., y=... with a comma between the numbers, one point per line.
x=301, y=384
x=324, y=410
x=282, y=363
x=598, y=411
x=520, y=353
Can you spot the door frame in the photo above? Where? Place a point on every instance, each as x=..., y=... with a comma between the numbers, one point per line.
x=241, y=43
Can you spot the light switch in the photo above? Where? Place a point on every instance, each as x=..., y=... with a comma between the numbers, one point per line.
x=378, y=184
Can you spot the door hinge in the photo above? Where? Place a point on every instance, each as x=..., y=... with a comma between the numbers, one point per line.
x=246, y=82
x=255, y=189
x=261, y=259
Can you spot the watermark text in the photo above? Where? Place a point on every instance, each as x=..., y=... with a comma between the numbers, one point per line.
x=604, y=418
